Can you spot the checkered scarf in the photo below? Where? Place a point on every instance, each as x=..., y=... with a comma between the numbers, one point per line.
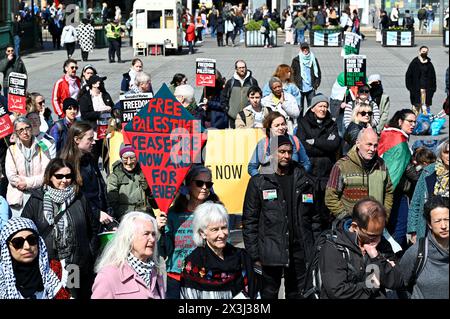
x=144, y=270
x=8, y=288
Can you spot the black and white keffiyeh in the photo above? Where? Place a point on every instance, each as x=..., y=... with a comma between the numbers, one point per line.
x=57, y=201
x=143, y=269
x=8, y=289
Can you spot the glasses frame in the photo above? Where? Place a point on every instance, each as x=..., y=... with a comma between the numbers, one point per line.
x=364, y=113
x=199, y=183
x=61, y=176
x=18, y=242
x=24, y=129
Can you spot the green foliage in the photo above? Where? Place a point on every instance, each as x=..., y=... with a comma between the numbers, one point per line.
x=329, y=29
x=253, y=25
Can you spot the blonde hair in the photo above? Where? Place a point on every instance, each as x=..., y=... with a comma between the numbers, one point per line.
x=360, y=105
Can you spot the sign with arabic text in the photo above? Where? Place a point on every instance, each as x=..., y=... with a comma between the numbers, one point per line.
x=205, y=72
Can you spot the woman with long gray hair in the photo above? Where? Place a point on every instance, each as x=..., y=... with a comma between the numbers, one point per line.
x=129, y=266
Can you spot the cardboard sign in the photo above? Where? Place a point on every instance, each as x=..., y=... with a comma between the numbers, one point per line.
x=132, y=104
x=228, y=153
x=352, y=43
x=355, y=70
x=167, y=140
x=17, y=89
x=6, y=126
x=205, y=72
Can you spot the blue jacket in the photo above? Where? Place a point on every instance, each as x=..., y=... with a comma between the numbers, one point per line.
x=424, y=187
x=5, y=212
x=261, y=156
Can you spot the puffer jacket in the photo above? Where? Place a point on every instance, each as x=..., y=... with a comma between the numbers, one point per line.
x=265, y=222
x=128, y=191
x=339, y=281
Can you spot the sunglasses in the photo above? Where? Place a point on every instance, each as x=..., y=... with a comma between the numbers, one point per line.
x=61, y=176
x=18, y=242
x=200, y=183
x=364, y=113
x=40, y=103
x=74, y=67
x=9, y=51
x=364, y=91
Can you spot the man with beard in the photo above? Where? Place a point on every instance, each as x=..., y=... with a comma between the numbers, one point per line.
x=280, y=221
x=381, y=99
x=359, y=174
x=11, y=63
x=421, y=81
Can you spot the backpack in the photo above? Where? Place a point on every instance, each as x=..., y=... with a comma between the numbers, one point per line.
x=313, y=278
x=422, y=255
x=62, y=130
x=409, y=22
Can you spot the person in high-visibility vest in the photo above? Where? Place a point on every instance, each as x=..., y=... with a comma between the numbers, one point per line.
x=114, y=35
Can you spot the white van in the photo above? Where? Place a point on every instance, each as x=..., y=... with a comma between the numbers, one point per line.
x=157, y=23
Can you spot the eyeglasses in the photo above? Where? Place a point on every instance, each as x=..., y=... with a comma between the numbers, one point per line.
x=18, y=242
x=364, y=113
x=368, y=237
x=21, y=130
x=200, y=183
x=61, y=176
x=74, y=67
x=364, y=91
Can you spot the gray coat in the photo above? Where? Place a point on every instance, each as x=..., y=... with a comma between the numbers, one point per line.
x=432, y=282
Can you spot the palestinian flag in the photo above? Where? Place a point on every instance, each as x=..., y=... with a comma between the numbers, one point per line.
x=393, y=148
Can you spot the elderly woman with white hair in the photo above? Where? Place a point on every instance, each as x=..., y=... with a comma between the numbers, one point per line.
x=25, y=164
x=142, y=84
x=129, y=266
x=282, y=102
x=185, y=95
x=215, y=269
x=432, y=182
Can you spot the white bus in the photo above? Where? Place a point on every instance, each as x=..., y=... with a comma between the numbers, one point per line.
x=157, y=23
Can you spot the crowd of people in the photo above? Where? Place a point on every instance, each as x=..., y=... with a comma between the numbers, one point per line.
x=335, y=188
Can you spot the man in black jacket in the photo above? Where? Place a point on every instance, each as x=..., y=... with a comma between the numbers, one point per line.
x=11, y=63
x=421, y=81
x=359, y=263
x=280, y=221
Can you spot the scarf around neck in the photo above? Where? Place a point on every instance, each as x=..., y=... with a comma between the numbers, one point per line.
x=73, y=86
x=308, y=61
x=442, y=176
x=57, y=201
x=143, y=269
x=28, y=278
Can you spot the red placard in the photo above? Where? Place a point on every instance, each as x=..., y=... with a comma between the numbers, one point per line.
x=167, y=140
x=6, y=126
x=17, y=88
x=205, y=74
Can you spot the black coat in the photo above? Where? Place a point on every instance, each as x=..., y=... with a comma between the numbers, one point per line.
x=351, y=133
x=85, y=228
x=87, y=108
x=296, y=73
x=94, y=187
x=322, y=153
x=412, y=80
x=339, y=282
x=265, y=222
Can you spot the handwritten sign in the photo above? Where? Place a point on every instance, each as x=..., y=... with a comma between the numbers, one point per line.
x=132, y=103
x=167, y=140
x=355, y=70
x=17, y=89
x=205, y=70
x=352, y=43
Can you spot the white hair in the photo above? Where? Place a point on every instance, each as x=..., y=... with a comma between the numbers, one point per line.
x=185, y=91
x=141, y=77
x=117, y=250
x=205, y=214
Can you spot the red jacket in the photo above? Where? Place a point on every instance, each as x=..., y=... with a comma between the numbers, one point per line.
x=190, y=33
x=60, y=93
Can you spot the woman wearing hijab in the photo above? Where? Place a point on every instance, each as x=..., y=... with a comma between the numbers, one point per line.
x=25, y=271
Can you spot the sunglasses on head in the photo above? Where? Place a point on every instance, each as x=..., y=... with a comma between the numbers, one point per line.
x=364, y=113
x=200, y=183
x=18, y=242
x=61, y=176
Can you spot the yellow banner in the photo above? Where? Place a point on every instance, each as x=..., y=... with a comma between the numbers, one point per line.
x=114, y=148
x=227, y=155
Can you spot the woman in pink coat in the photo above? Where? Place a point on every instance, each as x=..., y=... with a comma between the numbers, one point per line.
x=129, y=266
